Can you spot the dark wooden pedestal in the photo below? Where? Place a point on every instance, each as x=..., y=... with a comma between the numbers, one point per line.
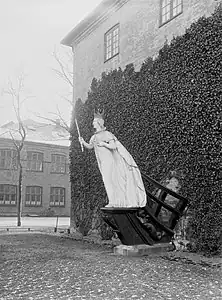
x=153, y=224
x=125, y=223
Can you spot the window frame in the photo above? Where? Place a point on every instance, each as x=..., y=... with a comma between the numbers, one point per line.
x=30, y=194
x=171, y=12
x=13, y=164
x=54, y=171
x=53, y=189
x=15, y=194
x=110, y=31
x=32, y=161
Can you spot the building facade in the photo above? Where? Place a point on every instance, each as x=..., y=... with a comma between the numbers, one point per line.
x=121, y=32
x=45, y=179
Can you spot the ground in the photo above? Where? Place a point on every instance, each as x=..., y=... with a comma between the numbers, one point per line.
x=41, y=266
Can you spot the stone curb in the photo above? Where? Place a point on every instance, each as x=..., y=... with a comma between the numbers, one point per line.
x=142, y=250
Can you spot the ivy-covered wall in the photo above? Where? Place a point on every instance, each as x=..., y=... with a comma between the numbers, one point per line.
x=167, y=116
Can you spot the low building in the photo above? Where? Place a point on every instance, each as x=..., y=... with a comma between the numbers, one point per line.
x=45, y=161
x=121, y=32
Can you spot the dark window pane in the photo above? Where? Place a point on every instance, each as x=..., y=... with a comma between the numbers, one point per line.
x=112, y=42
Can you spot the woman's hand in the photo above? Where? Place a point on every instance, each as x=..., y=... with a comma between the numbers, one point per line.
x=101, y=144
x=81, y=140
x=111, y=145
x=85, y=144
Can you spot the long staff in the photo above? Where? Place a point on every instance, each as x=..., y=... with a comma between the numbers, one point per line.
x=77, y=126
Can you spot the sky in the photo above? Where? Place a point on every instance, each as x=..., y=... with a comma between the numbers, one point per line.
x=30, y=30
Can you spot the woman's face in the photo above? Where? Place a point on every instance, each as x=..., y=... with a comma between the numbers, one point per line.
x=96, y=124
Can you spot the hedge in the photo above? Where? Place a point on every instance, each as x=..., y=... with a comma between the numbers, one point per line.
x=167, y=116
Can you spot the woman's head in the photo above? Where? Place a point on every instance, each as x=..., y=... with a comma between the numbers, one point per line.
x=98, y=124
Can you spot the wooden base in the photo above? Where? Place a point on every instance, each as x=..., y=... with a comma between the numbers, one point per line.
x=143, y=250
x=128, y=227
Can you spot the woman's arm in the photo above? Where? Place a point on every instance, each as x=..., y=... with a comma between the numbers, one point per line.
x=111, y=145
x=85, y=144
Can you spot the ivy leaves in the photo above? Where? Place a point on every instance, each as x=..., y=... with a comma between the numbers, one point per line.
x=167, y=116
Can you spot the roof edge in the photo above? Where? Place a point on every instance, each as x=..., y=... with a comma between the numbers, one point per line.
x=99, y=13
x=38, y=143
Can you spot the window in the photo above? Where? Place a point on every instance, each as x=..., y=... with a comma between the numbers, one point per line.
x=58, y=164
x=57, y=196
x=7, y=159
x=34, y=161
x=169, y=9
x=8, y=194
x=33, y=196
x=112, y=42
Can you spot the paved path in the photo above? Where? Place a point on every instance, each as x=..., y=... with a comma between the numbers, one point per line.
x=38, y=266
x=35, y=221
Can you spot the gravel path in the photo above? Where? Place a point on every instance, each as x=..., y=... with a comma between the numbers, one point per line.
x=38, y=266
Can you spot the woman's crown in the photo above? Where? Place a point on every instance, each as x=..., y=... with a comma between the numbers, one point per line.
x=99, y=114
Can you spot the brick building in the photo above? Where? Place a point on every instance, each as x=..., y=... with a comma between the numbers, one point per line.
x=119, y=32
x=45, y=160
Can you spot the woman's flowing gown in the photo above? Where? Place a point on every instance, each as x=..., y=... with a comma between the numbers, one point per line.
x=120, y=174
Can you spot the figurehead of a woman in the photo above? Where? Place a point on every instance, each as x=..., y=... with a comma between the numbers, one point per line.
x=98, y=121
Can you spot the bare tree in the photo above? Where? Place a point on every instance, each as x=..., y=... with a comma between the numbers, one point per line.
x=18, y=135
x=65, y=67
x=57, y=116
x=64, y=71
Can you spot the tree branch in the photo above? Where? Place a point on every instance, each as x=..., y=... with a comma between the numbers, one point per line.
x=64, y=71
x=67, y=100
x=63, y=125
x=14, y=141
